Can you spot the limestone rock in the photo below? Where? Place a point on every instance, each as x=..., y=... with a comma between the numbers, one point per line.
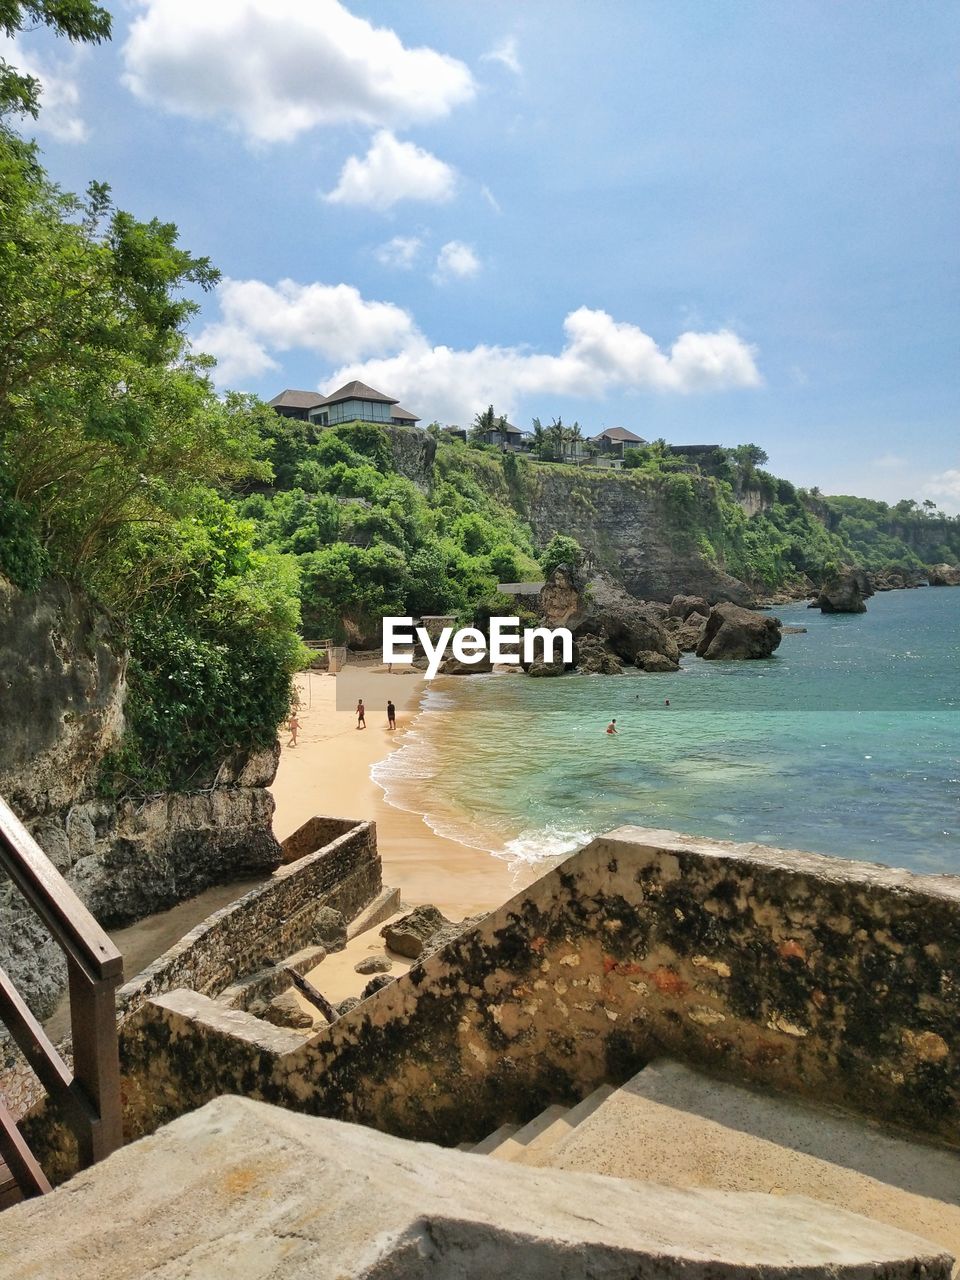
x=592, y=657
x=944, y=575
x=599, y=607
x=656, y=662
x=373, y=964
x=376, y=984
x=241, y=1188
x=731, y=632
x=454, y=667
x=683, y=606
x=846, y=592
x=539, y=668
x=345, y=1006
x=285, y=1010
x=409, y=935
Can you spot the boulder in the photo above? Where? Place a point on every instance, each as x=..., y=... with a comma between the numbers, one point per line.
x=592, y=657
x=688, y=637
x=656, y=662
x=844, y=593
x=733, y=633
x=793, y=631
x=540, y=668
x=454, y=667
x=376, y=984
x=598, y=606
x=944, y=575
x=285, y=1010
x=345, y=1006
x=682, y=606
x=373, y=964
x=409, y=935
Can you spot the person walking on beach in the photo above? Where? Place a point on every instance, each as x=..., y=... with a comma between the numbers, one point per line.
x=391, y=716
x=612, y=726
x=293, y=724
x=361, y=714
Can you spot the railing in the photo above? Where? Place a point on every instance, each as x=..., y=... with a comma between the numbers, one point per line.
x=90, y=1095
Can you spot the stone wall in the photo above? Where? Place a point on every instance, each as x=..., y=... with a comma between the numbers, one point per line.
x=272, y=921
x=834, y=980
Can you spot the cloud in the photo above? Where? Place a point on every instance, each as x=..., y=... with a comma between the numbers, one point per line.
x=506, y=54
x=945, y=489
x=890, y=462
x=392, y=171
x=274, y=69
x=60, y=95
x=401, y=252
x=333, y=321
x=455, y=261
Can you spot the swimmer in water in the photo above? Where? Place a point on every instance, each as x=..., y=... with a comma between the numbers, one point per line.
x=612, y=726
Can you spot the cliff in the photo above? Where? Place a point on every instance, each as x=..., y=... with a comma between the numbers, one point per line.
x=629, y=528
x=62, y=686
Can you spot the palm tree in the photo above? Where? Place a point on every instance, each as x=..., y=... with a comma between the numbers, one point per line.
x=539, y=438
x=484, y=422
x=558, y=434
x=574, y=436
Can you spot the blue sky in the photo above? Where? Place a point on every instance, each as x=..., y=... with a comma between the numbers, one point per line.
x=705, y=221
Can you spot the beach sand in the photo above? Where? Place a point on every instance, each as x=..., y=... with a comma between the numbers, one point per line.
x=328, y=772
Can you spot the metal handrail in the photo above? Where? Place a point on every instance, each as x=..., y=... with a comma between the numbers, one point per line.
x=90, y=1094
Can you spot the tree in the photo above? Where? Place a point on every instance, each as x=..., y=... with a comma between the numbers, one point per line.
x=561, y=549
x=78, y=20
x=539, y=438
x=557, y=435
x=486, y=422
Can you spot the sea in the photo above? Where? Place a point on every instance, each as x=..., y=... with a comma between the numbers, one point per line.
x=845, y=742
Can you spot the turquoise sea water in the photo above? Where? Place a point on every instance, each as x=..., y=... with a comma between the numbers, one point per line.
x=847, y=742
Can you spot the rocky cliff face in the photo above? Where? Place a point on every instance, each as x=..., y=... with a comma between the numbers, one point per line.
x=413, y=454
x=628, y=531
x=62, y=684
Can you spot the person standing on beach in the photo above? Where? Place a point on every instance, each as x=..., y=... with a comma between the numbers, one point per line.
x=391, y=716
x=612, y=726
x=293, y=724
x=361, y=714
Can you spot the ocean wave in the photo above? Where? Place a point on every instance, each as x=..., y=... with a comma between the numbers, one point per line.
x=533, y=846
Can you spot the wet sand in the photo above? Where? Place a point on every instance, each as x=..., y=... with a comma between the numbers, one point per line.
x=328, y=772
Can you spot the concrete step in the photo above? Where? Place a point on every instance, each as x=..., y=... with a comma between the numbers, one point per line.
x=493, y=1140
x=535, y=1151
x=674, y=1126
x=513, y=1148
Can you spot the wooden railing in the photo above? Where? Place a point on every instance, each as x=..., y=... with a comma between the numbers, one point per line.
x=90, y=1094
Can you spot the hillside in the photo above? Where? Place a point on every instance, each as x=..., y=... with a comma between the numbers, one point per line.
x=386, y=520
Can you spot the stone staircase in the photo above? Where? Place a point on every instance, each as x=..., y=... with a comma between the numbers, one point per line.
x=676, y=1127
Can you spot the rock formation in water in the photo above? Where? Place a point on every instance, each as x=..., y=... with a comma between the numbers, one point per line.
x=845, y=592
x=599, y=612
x=944, y=575
x=731, y=632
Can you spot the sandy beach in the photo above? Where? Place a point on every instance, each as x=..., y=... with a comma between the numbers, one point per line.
x=328, y=772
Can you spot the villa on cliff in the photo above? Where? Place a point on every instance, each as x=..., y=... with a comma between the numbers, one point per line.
x=353, y=402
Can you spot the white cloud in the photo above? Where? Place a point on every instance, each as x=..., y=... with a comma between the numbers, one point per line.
x=380, y=343
x=333, y=321
x=890, y=462
x=599, y=355
x=401, y=252
x=455, y=261
x=276, y=68
x=392, y=171
x=506, y=54
x=945, y=490
x=60, y=96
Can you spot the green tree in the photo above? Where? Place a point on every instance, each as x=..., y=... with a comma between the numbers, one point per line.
x=561, y=549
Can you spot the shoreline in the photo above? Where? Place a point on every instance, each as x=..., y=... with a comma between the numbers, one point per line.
x=329, y=772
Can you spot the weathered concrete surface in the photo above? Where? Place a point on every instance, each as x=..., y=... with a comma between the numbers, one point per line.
x=681, y=1128
x=826, y=979
x=244, y=1190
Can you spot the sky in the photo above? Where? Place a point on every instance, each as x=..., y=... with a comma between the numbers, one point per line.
x=711, y=222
